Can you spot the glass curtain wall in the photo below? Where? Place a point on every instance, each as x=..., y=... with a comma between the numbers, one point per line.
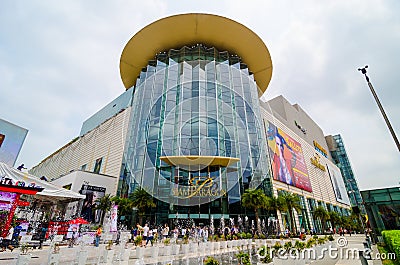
x=195, y=101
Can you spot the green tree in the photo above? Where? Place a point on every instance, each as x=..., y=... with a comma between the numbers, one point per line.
x=322, y=215
x=334, y=218
x=254, y=199
x=125, y=206
x=290, y=202
x=104, y=204
x=274, y=204
x=142, y=200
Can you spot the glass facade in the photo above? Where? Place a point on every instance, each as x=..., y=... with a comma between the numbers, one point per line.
x=341, y=159
x=195, y=102
x=383, y=209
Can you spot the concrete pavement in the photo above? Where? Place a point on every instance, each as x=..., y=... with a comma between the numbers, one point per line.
x=342, y=254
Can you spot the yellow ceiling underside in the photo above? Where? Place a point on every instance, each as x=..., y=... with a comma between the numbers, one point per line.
x=199, y=160
x=174, y=32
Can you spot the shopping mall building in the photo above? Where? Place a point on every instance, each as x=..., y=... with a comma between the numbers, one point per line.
x=191, y=129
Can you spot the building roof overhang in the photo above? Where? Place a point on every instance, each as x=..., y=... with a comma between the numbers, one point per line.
x=177, y=31
x=196, y=161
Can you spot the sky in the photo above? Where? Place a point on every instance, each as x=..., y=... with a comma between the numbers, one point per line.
x=59, y=64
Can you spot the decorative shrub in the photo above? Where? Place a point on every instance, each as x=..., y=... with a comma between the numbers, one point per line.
x=310, y=243
x=321, y=240
x=211, y=261
x=243, y=258
x=138, y=240
x=392, y=241
x=299, y=245
x=277, y=246
x=167, y=241
x=288, y=245
x=263, y=252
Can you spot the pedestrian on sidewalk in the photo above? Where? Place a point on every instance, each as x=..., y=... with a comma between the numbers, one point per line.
x=99, y=231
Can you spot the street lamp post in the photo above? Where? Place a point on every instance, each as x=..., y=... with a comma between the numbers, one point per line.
x=364, y=72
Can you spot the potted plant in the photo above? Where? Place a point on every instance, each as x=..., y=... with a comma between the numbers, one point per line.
x=264, y=255
x=24, y=258
x=167, y=241
x=211, y=261
x=138, y=240
x=288, y=246
x=243, y=258
x=109, y=245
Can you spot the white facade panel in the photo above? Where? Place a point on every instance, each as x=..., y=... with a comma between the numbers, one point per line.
x=105, y=142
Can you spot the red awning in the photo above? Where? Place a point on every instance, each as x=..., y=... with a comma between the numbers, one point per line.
x=78, y=220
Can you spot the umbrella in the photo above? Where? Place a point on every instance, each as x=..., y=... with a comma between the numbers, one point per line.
x=78, y=220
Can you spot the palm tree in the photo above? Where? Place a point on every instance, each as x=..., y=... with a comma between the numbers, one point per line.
x=334, y=217
x=273, y=205
x=254, y=199
x=125, y=206
x=322, y=215
x=289, y=203
x=142, y=200
x=104, y=204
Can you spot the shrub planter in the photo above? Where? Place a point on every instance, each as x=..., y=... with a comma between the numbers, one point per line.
x=155, y=251
x=108, y=255
x=175, y=249
x=82, y=257
x=139, y=252
x=185, y=249
x=24, y=259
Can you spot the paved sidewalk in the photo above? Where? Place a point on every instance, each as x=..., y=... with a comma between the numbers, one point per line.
x=349, y=253
x=346, y=255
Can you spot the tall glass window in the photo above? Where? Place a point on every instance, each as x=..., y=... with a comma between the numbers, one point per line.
x=195, y=102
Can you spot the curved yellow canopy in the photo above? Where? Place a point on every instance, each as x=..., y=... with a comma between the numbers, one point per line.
x=200, y=160
x=177, y=31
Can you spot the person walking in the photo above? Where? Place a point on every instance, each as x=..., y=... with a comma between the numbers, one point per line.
x=145, y=234
x=99, y=231
x=15, y=236
x=6, y=243
x=165, y=231
x=150, y=237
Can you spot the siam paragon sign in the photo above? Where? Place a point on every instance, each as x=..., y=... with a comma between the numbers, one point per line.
x=199, y=187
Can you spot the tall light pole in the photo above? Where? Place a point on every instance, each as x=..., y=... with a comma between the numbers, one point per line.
x=364, y=72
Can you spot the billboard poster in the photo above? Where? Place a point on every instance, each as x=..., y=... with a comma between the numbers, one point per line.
x=338, y=184
x=114, y=218
x=93, y=193
x=11, y=139
x=287, y=159
x=6, y=200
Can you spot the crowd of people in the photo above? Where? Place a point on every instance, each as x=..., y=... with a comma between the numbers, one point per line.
x=151, y=234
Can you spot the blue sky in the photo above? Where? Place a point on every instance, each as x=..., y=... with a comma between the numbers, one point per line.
x=59, y=64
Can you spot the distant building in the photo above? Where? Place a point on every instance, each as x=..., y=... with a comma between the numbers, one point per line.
x=12, y=138
x=341, y=159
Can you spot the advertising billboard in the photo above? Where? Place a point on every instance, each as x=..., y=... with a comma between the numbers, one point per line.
x=287, y=159
x=93, y=193
x=11, y=139
x=338, y=184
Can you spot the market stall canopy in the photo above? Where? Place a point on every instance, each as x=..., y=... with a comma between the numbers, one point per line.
x=13, y=177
